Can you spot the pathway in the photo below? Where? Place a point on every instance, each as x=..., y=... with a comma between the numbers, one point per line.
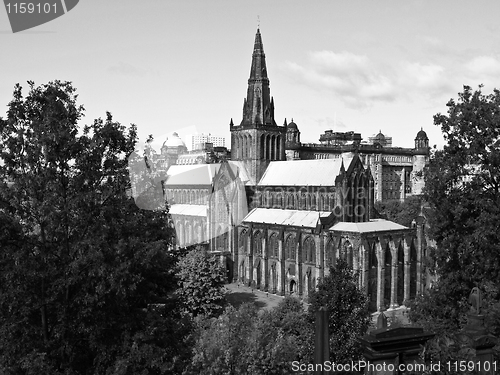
x=238, y=294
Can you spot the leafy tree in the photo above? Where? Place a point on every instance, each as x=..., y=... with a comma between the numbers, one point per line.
x=162, y=346
x=244, y=341
x=438, y=312
x=462, y=188
x=146, y=177
x=348, y=313
x=201, y=283
x=281, y=335
x=400, y=212
x=81, y=265
x=221, y=342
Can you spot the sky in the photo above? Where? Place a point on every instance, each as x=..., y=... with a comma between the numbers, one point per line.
x=182, y=66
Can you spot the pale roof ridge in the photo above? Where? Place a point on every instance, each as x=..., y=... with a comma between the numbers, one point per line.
x=313, y=172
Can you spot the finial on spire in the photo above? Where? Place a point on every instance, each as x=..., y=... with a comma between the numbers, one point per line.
x=258, y=22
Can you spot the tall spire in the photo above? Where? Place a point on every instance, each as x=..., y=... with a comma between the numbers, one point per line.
x=258, y=108
x=258, y=70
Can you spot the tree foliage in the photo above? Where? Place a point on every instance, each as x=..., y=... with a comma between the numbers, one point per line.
x=400, y=212
x=281, y=336
x=81, y=264
x=201, y=280
x=244, y=341
x=348, y=313
x=437, y=311
x=221, y=342
x=462, y=188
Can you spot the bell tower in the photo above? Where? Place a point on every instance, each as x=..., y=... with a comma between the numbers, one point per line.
x=257, y=140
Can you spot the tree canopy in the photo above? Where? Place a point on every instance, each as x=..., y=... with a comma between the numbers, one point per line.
x=463, y=210
x=85, y=273
x=403, y=213
x=246, y=341
x=201, y=280
x=462, y=189
x=348, y=313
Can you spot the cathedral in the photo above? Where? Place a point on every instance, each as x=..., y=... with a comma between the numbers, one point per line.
x=279, y=213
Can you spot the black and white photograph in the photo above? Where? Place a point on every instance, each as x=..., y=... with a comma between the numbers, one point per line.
x=249, y=187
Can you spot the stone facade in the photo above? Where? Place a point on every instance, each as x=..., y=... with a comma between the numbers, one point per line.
x=296, y=232
x=398, y=172
x=291, y=259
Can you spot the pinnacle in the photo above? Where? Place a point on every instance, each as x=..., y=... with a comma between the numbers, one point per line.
x=258, y=46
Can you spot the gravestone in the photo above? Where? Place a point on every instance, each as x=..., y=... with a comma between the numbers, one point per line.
x=385, y=348
x=479, y=338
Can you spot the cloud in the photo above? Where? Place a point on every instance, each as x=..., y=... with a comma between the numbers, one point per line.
x=431, y=80
x=353, y=78
x=483, y=68
x=360, y=82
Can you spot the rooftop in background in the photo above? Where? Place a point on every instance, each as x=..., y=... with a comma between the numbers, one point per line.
x=376, y=225
x=338, y=138
x=197, y=174
x=307, y=219
x=304, y=172
x=188, y=209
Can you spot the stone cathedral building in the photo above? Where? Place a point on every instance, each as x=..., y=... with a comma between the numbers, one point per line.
x=279, y=217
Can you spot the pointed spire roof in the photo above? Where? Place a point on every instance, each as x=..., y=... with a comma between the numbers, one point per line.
x=258, y=109
x=342, y=168
x=258, y=70
x=258, y=41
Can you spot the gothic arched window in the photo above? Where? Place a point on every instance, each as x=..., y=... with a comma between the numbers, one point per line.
x=273, y=246
x=290, y=247
x=257, y=244
x=309, y=250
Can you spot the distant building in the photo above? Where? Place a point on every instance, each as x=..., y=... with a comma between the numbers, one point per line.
x=174, y=151
x=198, y=141
x=397, y=171
x=380, y=139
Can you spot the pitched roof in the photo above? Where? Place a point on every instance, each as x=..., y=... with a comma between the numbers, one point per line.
x=308, y=219
x=303, y=172
x=376, y=225
x=188, y=210
x=203, y=174
x=198, y=174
